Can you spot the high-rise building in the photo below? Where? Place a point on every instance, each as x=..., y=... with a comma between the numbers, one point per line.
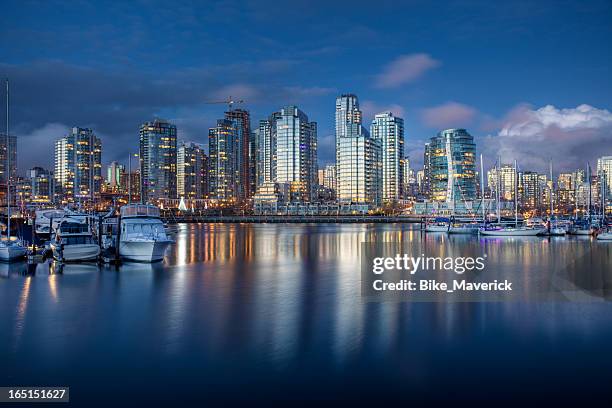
x=389, y=130
x=530, y=189
x=224, y=163
x=296, y=153
x=358, y=156
x=78, y=167
x=453, y=166
x=329, y=177
x=113, y=174
x=191, y=171
x=266, y=150
x=604, y=170
x=242, y=123
x=157, y=160
x=13, y=152
x=504, y=177
x=42, y=185
x=425, y=183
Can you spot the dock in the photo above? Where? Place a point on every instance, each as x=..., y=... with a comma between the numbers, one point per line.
x=292, y=219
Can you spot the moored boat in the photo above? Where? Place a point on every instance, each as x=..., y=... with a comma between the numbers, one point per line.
x=143, y=237
x=511, y=231
x=74, y=242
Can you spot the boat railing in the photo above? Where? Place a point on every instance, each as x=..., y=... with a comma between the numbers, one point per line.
x=139, y=210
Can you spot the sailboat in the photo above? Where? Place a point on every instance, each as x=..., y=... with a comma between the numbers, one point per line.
x=473, y=226
x=585, y=227
x=516, y=230
x=11, y=248
x=554, y=228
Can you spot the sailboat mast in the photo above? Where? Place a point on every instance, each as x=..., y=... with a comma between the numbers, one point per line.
x=7, y=172
x=498, y=187
x=515, y=195
x=589, y=187
x=482, y=200
x=551, y=189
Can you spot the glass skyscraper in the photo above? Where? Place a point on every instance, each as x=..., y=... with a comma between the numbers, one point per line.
x=3, y=159
x=358, y=168
x=296, y=153
x=266, y=150
x=242, y=123
x=453, y=166
x=224, y=163
x=192, y=171
x=604, y=170
x=389, y=130
x=157, y=160
x=78, y=166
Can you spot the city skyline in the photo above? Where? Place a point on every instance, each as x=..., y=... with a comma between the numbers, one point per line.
x=458, y=75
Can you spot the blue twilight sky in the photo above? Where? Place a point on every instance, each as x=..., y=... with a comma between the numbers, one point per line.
x=491, y=67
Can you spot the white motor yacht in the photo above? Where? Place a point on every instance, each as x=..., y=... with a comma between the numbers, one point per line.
x=12, y=249
x=142, y=237
x=74, y=242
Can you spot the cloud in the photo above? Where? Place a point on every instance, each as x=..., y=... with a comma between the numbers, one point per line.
x=48, y=97
x=237, y=92
x=405, y=69
x=299, y=92
x=36, y=146
x=371, y=108
x=569, y=136
x=448, y=115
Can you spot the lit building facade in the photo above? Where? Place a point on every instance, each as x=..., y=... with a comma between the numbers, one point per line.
x=191, y=171
x=12, y=140
x=78, y=167
x=296, y=153
x=224, y=163
x=604, y=170
x=242, y=123
x=453, y=167
x=266, y=150
x=157, y=160
x=358, y=156
x=389, y=131
x=42, y=185
x=113, y=175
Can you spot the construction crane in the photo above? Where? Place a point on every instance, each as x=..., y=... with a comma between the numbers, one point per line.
x=229, y=102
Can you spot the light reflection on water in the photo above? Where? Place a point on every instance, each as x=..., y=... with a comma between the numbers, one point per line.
x=264, y=298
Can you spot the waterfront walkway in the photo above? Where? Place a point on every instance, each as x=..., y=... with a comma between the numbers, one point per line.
x=332, y=219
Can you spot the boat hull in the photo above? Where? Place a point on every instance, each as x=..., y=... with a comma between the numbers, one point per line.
x=557, y=232
x=512, y=232
x=143, y=251
x=436, y=228
x=463, y=230
x=581, y=231
x=76, y=253
x=606, y=236
x=12, y=253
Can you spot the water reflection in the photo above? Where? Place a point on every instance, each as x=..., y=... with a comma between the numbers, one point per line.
x=270, y=297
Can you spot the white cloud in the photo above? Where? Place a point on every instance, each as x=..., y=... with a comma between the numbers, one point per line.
x=448, y=115
x=370, y=108
x=569, y=136
x=405, y=69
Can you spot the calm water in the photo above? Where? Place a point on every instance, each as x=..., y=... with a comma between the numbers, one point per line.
x=249, y=312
